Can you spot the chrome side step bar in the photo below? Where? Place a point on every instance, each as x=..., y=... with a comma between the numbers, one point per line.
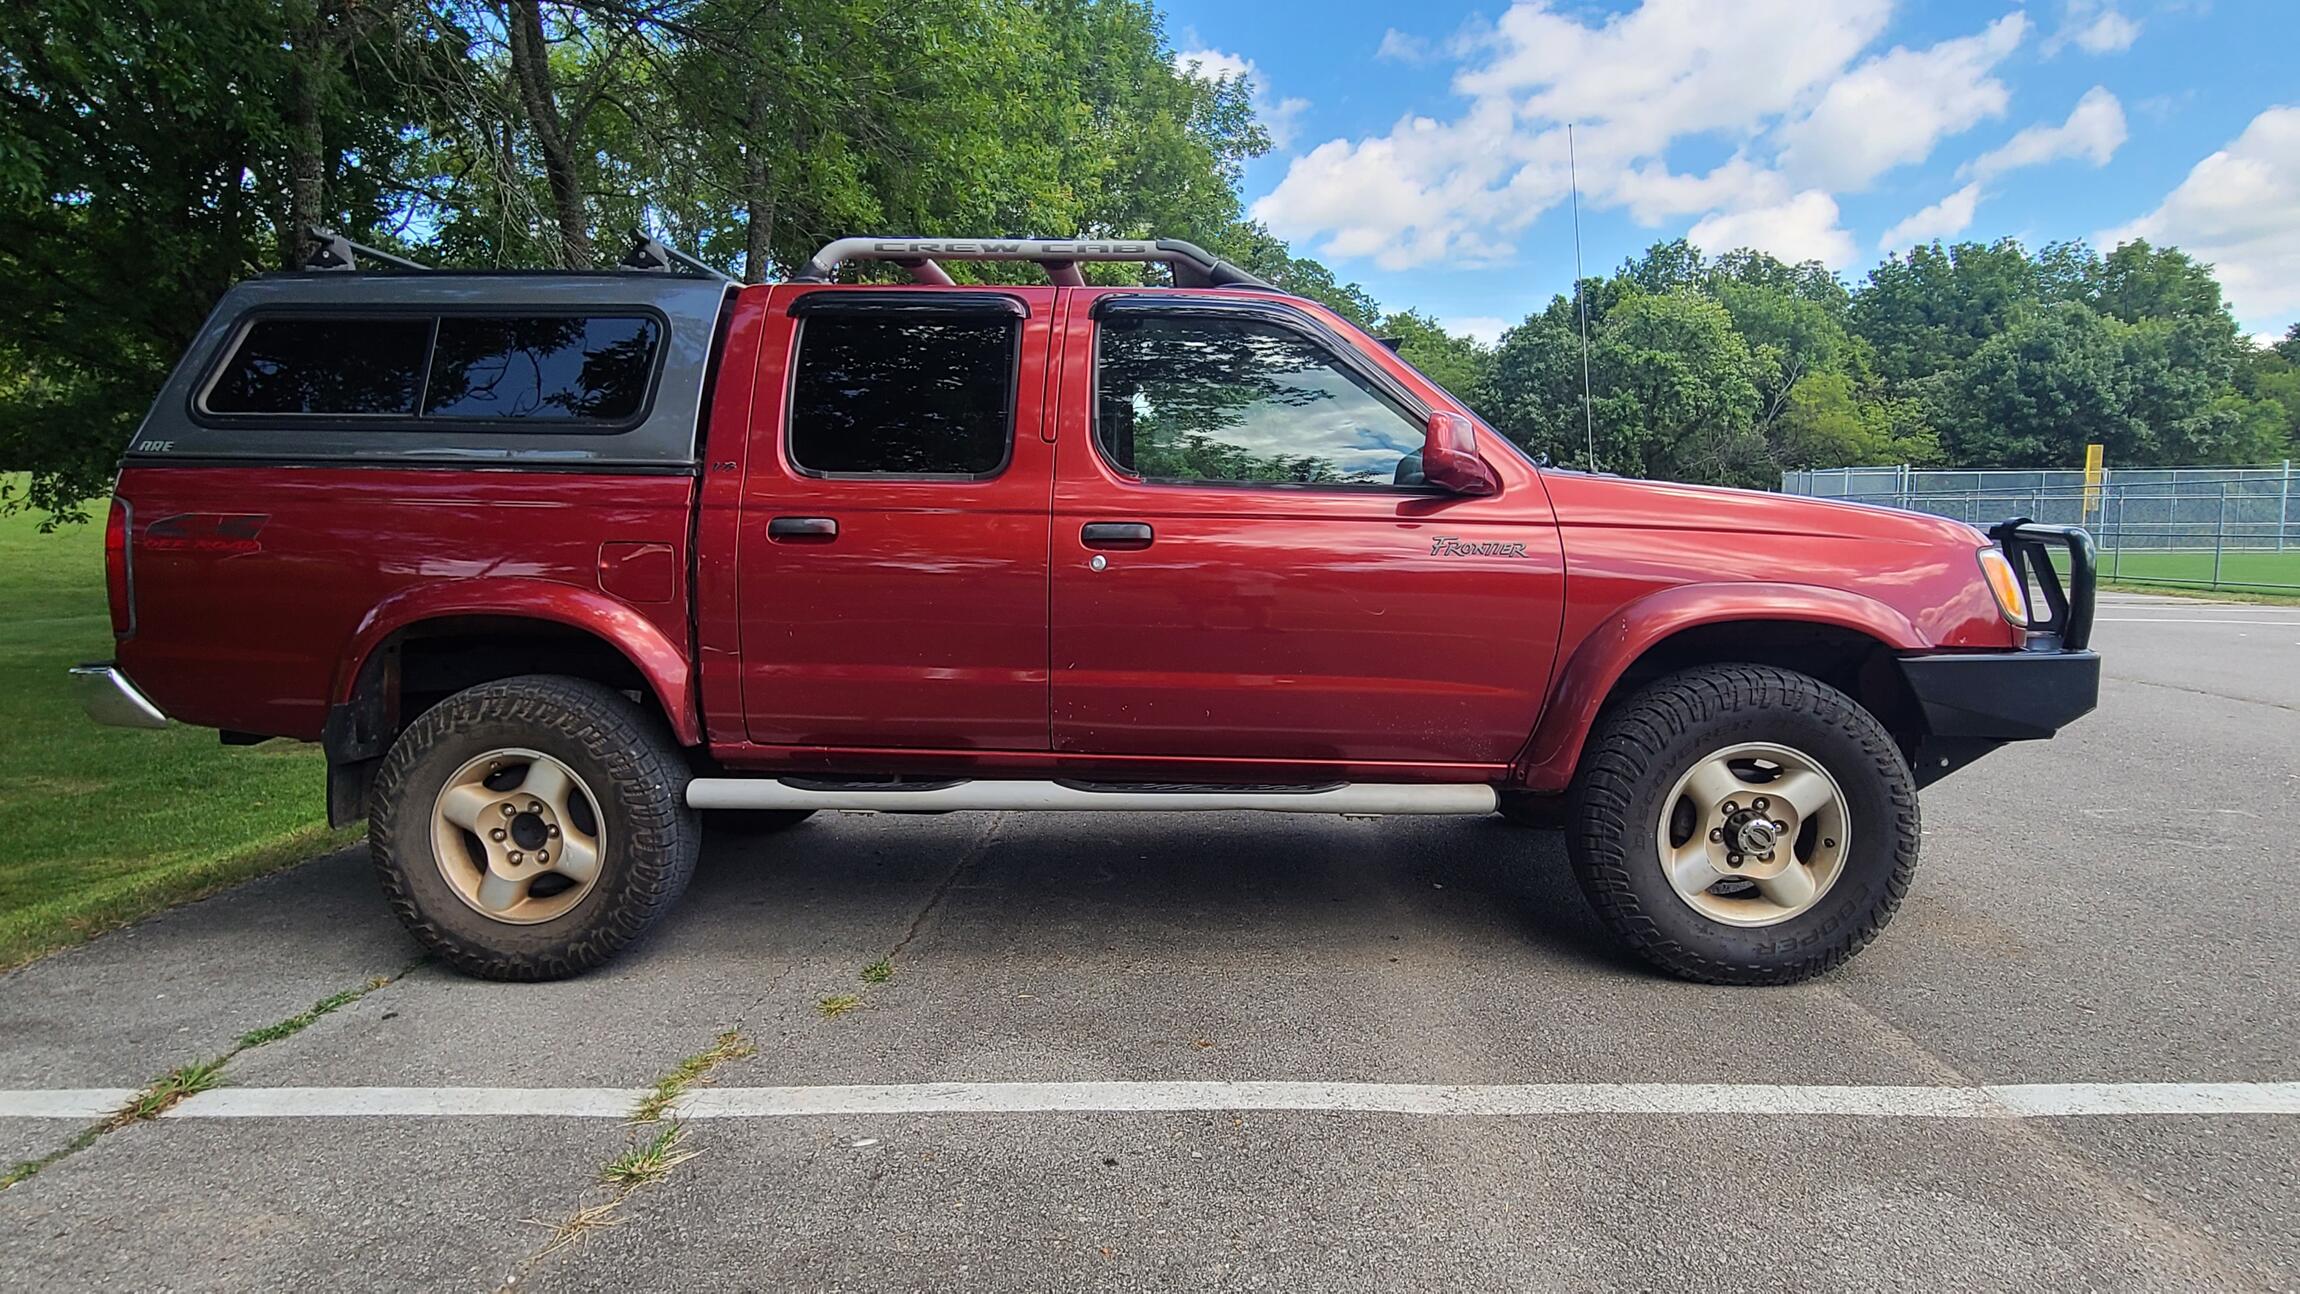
x=1368, y=798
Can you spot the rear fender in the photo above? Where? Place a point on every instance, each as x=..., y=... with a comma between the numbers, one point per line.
x=659, y=660
x=1609, y=650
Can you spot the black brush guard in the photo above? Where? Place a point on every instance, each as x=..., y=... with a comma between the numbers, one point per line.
x=2067, y=626
x=1976, y=701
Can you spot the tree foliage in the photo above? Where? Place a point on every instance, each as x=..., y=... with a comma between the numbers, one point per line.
x=1983, y=355
x=152, y=153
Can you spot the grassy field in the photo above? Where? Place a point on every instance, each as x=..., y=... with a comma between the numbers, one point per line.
x=2255, y=572
x=99, y=826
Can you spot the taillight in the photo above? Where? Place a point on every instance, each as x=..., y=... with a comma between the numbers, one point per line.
x=119, y=571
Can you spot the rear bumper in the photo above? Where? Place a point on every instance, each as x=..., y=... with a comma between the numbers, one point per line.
x=109, y=698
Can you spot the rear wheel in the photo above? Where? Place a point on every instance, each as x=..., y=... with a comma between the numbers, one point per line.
x=531, y=828
x=1740, y=824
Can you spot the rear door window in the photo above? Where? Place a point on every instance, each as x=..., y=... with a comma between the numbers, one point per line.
x=904, y=395
x=540, y=368
x=343, y=367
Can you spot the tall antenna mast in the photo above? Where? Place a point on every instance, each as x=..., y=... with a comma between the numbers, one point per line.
x=1581, y=303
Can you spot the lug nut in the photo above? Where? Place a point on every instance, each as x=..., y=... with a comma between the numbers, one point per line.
x=1733, y=859
x=1758, y=804
x=508, y=811
x=554, y=830
x=1779, y=825
x=1716, y=833
x=516, y=856
x=543, y=855
x=1732, y=806
x=1768, y=855
x=535, y=806
x=497, y=834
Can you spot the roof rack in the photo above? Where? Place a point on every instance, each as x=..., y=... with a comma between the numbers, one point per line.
x=332, y=251
x=649, y=253
x=1192, y=266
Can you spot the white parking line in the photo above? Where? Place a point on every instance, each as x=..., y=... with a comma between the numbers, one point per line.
x=64, y=1102
x=2004, y=1101
x=2156, y=620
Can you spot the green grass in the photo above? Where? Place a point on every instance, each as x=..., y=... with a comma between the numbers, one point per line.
x=170, y=1089
x=649, y=1161
x=101, y=826
x=697, y=1068
x=2243, y=572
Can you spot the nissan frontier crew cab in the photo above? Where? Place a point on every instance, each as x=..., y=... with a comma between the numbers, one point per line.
x=549, y=563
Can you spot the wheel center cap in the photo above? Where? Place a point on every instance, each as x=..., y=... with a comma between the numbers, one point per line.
x=1755, y=836
x=528, y=831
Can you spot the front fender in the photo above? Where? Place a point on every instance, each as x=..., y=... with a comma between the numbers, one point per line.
x=1607, y=652
x=662, y=662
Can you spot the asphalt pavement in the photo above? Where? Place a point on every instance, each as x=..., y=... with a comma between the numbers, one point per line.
x=2112, y=909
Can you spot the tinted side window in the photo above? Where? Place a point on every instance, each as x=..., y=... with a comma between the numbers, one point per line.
x=541, y=368
x=326, y=366
x=1183, y=399
x=914, y=396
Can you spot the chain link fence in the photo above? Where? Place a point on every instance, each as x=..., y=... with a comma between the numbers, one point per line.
x=2196, y=527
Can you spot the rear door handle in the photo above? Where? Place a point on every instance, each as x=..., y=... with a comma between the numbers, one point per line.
x=1115, y=534
x=803, y=528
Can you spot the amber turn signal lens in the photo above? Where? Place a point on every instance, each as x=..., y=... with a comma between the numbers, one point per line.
x=2005, y=583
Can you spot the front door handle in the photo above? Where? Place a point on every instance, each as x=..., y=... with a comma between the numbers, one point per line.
x=1115, y=534
x=818, y=529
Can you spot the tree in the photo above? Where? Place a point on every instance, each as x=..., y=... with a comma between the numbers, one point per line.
x=151, y=154
x=1930, y=311
x=1675, y=388
x=1456, y=363
x=2137, y=282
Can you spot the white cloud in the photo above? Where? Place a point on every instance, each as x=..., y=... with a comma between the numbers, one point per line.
x=1404, y=47
x=1485, y=330
x=1213, y=65
x=2094, y=131
x=1633, y=83
x=1944, y=219
x=1781, y=84
x=2237, y=210
x=2093, y=27
x=1804, y=228
x=1280, y=117
x=1893, y=109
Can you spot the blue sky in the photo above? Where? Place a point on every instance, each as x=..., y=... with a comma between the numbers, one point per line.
x=1422, y=148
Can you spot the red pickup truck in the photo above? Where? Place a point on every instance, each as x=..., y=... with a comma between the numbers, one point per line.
x=551, y=562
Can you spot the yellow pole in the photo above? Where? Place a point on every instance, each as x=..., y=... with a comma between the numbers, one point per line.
x=2093, y=456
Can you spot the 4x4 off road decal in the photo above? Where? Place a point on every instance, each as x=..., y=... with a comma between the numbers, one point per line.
x=205, y=532
x=1449, y=546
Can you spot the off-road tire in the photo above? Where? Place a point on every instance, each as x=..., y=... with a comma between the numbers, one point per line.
x=1642, y=746
x=622, y=753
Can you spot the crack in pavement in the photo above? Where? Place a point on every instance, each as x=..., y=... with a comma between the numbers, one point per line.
x=2234, y=1264
x=156, y=1097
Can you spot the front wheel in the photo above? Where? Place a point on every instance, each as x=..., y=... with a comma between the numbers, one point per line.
x=1740, y=824
x=530, y=829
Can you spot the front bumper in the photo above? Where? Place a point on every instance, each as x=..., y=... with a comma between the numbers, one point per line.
x=109, y=698
x=1974, y=702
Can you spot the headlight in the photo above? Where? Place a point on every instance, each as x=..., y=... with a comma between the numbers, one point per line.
x=2005, y=582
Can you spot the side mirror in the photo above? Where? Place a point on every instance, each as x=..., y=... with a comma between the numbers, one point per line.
x=1449, y=457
